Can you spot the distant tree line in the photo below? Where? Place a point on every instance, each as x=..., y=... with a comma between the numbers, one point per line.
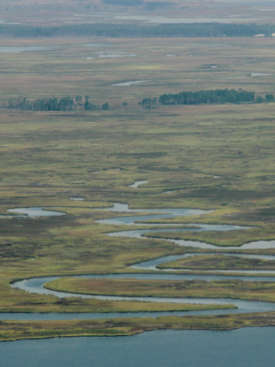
x=154, y=5
x=217, y=96
x=149, y=5
x=148, y=103
x=123, y=2
x=55, y=104
x=142, y=31
x=51, y=104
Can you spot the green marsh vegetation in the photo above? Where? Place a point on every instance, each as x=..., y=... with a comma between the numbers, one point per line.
x=12, y=330
x=216, y=157
x=219, y=262
x=256, y=291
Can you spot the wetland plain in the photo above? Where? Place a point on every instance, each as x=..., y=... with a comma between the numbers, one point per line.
x=215, y=159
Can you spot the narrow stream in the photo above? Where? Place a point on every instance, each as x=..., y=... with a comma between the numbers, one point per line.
x=252, y=347
x=36, y=285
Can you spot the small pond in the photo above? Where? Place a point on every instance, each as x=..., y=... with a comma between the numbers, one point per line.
x=136, y=184
x=128, y=84
x=27, y=48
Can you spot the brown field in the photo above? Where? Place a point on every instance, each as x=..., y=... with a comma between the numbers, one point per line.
x=197, y=64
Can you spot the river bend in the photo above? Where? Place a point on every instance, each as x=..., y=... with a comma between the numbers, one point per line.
x=36, y=285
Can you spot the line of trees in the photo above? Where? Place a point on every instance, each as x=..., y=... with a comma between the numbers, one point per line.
x=55, y=104
x=155, y=5
x=123, y=2
x=51, y=104
x=149, y=5
x=148, y=103
x=143, y=30
x=218, y=96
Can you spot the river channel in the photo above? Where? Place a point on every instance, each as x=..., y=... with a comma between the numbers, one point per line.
x=159, y=348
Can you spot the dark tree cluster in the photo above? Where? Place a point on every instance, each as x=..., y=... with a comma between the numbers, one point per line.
x=149, y=5
x=123, y=2
x=55, y=104
x=88, y=106
x=269, y=98
x=155, y=5
x=217, y=96
x=148, y=103
x=51, y=104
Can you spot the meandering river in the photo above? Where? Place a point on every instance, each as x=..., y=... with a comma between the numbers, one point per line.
x=169, y=348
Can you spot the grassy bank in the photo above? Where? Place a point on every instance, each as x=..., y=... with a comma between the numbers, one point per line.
x=218, y=262
x=16, y=301
x=15, y=330
x=236, y=289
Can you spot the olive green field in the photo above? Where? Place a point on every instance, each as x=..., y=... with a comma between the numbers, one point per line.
x=217, y=157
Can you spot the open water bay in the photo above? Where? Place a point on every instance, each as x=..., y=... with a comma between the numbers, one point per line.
x=248, y=347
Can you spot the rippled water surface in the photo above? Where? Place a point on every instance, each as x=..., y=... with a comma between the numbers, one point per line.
x=249, y=347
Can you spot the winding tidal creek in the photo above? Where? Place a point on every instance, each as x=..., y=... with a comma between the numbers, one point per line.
x=252, y=346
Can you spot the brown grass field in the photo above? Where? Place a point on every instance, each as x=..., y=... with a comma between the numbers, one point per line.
x=197, y=64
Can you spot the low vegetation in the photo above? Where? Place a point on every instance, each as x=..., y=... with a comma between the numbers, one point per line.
x=12, y=330
x=15, y=301
x=219, y=262
x=236, y=289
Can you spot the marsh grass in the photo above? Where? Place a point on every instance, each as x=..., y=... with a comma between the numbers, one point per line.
x=219, y=262
x=46, y=158
x=11, y=330
x=259, y=291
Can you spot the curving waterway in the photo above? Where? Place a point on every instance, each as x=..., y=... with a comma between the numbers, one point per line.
x=36, y=285
x=204, y=358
